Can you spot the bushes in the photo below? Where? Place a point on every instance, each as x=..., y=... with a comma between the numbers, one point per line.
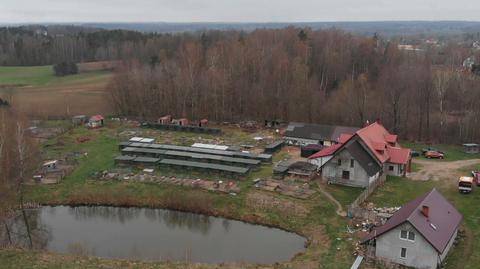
x=65, y=69
x=4, y=102
x=190, y=202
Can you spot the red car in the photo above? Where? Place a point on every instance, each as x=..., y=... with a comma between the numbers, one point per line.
x=476, y=176
x=434, y=155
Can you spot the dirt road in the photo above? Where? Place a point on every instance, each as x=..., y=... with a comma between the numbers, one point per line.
x=436, y=170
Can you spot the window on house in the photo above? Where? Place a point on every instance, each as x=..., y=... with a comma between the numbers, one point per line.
x=403, y=253
x=352, y=163
x=346, y=175
x=390, y=168
x=339, y=162
x=411, y=236
x=407, y=235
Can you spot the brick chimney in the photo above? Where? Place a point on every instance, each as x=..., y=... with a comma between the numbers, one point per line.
x=425, y=211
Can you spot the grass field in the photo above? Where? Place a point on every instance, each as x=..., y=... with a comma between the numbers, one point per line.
x=36, y=91
x=34, y=76
x=452, y=152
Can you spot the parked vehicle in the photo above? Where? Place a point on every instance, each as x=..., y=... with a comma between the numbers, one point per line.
x=434, y=155
x=425, y=150
x=465, y=184
x=414, y=153
x=476, y=177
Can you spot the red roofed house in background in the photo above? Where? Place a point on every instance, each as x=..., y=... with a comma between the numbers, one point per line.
x=95, y=121
x=418, y=235
x=361, y=158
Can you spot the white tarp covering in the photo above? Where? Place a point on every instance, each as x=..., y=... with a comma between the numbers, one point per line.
x=142, y=140
x=209, y=146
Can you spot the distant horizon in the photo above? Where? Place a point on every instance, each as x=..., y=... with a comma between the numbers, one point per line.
x=227, y=22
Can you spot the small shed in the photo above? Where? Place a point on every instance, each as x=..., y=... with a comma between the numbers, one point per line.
x=50, y=165
x=203, y=123
x=180, y=122
x=275, y=146
x=280, y=171
x=96, y=121
x=310, y=149
x=471, y=148
x=302, y=169
x=165, y=119
x=79, y=120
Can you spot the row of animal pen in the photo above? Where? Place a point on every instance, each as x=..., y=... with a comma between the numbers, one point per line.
x=232, y=163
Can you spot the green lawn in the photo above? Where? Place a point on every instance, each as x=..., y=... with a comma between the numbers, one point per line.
x=452, y=152
x=398, y=191
x=344, y=194
x=42, y=76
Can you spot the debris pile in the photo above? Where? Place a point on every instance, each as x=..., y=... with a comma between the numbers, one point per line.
x=147, y=176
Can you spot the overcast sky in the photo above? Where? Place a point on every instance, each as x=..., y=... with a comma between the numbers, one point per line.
x=235, y=10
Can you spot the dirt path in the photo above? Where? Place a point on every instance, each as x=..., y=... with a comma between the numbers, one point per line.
x=436, y=170
x=340, y=210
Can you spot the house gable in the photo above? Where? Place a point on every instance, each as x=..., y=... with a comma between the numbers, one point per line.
x=363, y=157
x=419, y=253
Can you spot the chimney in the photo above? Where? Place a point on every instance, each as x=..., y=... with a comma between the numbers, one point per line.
x=425, y=211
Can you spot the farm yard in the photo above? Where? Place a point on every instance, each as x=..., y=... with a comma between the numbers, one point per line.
x=311, y=217
x=299, y=145
x=330, y=244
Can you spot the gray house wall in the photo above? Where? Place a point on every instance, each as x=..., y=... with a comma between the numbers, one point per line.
x=420, y=253
x=398, y=169
x=333, y=172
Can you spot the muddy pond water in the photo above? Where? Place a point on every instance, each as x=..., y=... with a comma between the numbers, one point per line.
x=151, y=235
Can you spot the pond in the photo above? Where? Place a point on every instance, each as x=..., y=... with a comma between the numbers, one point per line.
x=150, y=234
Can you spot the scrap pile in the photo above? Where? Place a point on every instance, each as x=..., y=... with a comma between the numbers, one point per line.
x=365, y=219
x=147, y=176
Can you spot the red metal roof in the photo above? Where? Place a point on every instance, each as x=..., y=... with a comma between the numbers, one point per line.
x=344, y=138
x=372, y=136
x=326, y=151
x=96, y=118
x=391, y=138
x=398, y=155
x=438, y=228
x=378, y=140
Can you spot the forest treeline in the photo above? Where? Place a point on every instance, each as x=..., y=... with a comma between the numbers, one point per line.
x=292, y=74
x=47, y=45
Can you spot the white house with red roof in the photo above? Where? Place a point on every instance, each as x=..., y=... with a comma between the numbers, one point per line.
x=359, y=159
